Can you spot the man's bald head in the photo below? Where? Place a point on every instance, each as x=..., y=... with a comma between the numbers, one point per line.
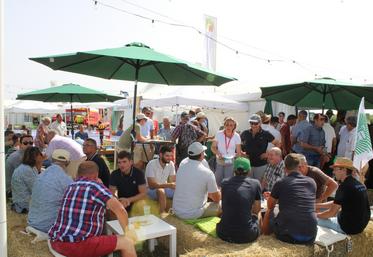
x=88, y=169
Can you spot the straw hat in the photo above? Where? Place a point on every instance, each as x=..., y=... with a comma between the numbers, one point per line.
x=343, y=162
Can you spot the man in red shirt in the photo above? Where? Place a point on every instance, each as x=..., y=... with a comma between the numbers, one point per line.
x=285, y=134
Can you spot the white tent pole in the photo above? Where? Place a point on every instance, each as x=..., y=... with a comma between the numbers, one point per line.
x=3, y=232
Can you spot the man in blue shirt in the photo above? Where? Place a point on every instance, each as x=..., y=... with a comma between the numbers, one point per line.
x=48, y=191
x=312, y=141
x=297, y=130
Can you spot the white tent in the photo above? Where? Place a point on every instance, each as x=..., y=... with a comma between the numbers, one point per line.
x=206, y=100
x=34, y=107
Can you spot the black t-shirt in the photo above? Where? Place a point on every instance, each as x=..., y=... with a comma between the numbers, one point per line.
x=103, y=170
x=255, y=146
x=355, y=213
x=296, y=196
x=127, y=185
x=238, y=196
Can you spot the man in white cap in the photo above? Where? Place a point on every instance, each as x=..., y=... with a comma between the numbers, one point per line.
x=255, y=143
x=48, y=191
x=194, y=184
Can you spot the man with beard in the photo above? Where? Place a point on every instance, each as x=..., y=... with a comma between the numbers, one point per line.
x=160, y=177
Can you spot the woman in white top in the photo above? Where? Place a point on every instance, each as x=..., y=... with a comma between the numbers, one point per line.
x=226, y=146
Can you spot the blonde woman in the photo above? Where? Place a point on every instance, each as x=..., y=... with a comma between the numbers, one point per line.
x=41, y=133
x=226, y=146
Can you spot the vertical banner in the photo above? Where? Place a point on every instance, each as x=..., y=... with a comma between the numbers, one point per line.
x=210, y=41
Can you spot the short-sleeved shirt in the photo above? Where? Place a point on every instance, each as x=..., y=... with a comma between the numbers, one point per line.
x=73, y=147
x=156, y=171
x=312, y=135
x=255, y=146
x=227, y=145
x=126, y=139
x=346, y=144
x=186, y=134
x=82, y=213
x=127, y=185
x=329, y=136
x=22, y=182
x=275, y=133
x=296, y=195
x=296, y=133
x=46, y=199
x=166, y=133
x=274, y=173
x=238, y=196
x=147, y=127
x=59, y=127
x=194, y=181
x=103, y=170
x=320, y=179
x=355, y=213
x=81, y=135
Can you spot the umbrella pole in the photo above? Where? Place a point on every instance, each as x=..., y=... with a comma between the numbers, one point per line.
x=133, y=132
x=323, y=100
x=71, y=117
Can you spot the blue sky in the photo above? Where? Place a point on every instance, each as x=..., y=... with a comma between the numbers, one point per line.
x=328, y=38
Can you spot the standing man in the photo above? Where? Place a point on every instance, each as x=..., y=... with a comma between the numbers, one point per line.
x=347, y=135
x=91, y=151
x=325, y=185
x=267, y=125
x=255, y=142
x=312, y=142
x=241, y=208
x=77, y=156
x=195, y=182
x=87, y=200
x=286, y=134
x=127, y=181
x=275, y=169
x=297, y=130
x=281, y=119
x=59, y=125
x=349, y=213
x=296, y=221
x=185, y=134
x=160, y=177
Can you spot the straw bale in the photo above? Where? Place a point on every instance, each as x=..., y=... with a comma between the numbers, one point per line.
x=192, y=242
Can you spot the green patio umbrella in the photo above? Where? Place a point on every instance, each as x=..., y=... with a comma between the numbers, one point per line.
x=134, y=62
x=321, y=93
x=68, y=93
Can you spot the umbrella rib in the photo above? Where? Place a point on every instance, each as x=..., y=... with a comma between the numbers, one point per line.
x=357, y=94
x=76, y=63
x=160, y=73
x=120, y=66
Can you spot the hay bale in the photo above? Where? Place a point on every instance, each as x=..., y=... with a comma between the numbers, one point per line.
x=192, y=242
x=19, y=245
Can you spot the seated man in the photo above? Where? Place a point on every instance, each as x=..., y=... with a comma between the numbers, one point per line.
x=195, y=182
x=275, y=168
x=128, y=181
x=160, y=177
x=87, y=200
x=47, y=192
x=91, y=151
x=325, y=185
x=296, y=221
x=349, y=213
x=240, y=205
x=81, y=134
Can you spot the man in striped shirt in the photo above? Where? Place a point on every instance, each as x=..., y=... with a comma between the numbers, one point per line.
x=78, y=229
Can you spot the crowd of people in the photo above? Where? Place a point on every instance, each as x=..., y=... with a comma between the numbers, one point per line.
x=302, y=169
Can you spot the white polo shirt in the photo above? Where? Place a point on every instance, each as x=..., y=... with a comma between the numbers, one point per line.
x=155, y=170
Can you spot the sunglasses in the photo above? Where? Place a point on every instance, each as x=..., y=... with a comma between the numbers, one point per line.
x=28, y=143
x=254, y=123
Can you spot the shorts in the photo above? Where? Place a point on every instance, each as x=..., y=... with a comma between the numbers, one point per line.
x=153, y=194
x=139, y=153
x=92, y=247
x=211, y=209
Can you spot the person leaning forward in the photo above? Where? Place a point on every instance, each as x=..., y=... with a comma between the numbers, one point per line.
x=240, y=206
x=87, y=199
x=296, y=221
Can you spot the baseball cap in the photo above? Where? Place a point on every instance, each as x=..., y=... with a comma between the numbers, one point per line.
x=242, y=163
x=255, y=118
x=183, y=114
x=140, y=116
x=196, y=148
x=61, y=155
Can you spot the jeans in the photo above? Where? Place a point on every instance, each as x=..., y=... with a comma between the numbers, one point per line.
x=313, y=159
x=222, y=172
x=331, y=223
